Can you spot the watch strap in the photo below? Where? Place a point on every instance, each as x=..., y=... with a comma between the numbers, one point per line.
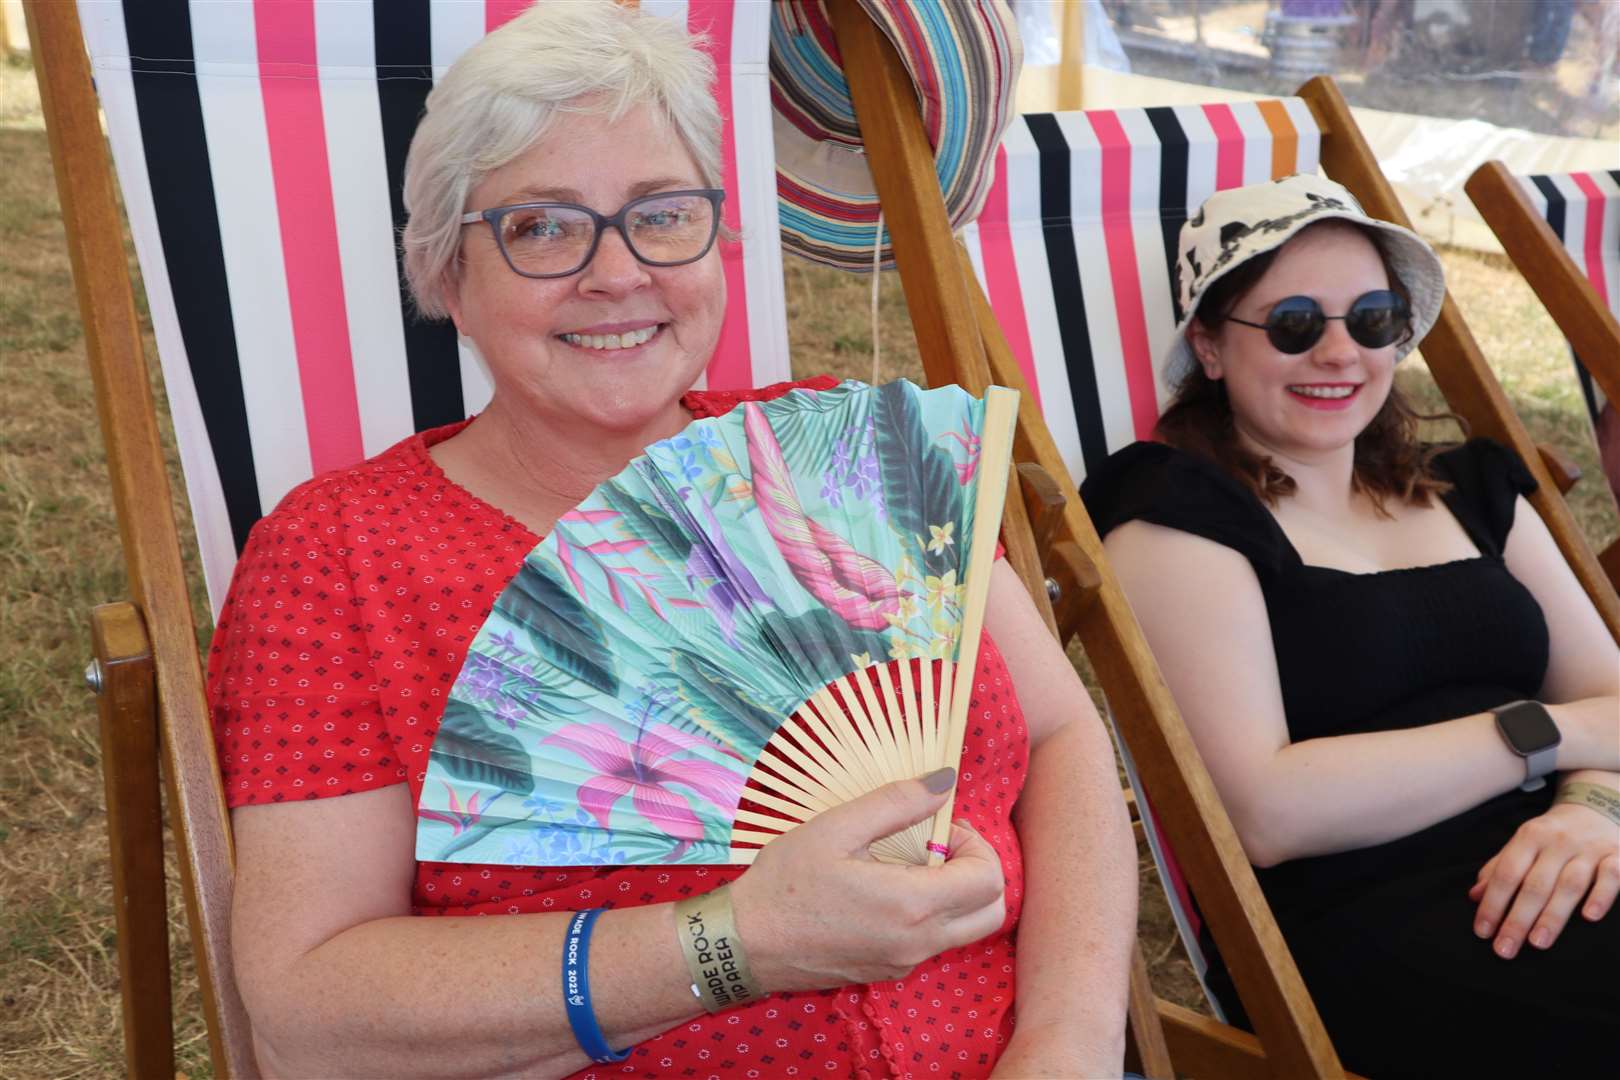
x=1537, y=765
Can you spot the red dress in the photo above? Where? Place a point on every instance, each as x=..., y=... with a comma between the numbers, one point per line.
x=346, y=624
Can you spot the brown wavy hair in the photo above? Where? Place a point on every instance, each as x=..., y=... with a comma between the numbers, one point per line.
x=1390, y=461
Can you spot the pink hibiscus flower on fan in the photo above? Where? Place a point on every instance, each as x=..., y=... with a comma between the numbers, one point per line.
x=648, y=770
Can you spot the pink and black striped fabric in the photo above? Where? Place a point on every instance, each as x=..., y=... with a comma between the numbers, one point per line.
x=1583, y=209
x=261, y=145
x=1076, y=248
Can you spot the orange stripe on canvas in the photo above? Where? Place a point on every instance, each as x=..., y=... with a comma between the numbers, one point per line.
x=1284, y=139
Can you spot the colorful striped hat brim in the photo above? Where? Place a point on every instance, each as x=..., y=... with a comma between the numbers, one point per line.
x=963, y=58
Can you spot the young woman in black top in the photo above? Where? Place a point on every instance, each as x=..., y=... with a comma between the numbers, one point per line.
x=1343, y=615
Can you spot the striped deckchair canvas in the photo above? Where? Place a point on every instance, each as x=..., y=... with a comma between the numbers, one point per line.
x=261, y=147
x=1583, y=210
x=1076, y=250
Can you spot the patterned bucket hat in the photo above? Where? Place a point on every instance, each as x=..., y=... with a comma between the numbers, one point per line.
x=1235, y=225
x=963, y=57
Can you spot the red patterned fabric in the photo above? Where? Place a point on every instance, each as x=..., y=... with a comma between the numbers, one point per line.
x=347, y=622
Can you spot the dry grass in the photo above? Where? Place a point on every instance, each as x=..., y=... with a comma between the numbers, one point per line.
x=59, y=556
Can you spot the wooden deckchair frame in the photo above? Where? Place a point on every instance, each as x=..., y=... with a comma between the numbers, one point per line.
x=957, y=346
x=152, y=701
x=1582, y=316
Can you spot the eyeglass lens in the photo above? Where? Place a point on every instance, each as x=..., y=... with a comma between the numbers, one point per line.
x=1375, y=319
x=556, y=239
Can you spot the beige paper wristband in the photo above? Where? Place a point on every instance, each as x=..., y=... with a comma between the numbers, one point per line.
x=1605, y=800
x=714, y=954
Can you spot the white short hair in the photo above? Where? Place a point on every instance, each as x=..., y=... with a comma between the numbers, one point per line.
x=572, y=56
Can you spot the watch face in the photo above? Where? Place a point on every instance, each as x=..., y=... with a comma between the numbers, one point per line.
x=1527, y=727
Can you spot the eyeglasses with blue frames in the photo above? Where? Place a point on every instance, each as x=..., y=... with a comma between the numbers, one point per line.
x=1296, y=323
x=552, y=239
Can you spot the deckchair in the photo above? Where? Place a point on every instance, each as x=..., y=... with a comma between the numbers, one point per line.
x=219, y=115
x=1075, y=254
x=260, y=149
x=1563, y=233
x=1141, y=159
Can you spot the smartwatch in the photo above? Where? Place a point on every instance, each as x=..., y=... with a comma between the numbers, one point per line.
x=1529, y=731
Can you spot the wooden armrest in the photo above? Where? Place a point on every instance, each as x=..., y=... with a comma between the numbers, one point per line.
x=1072, y=581
x=1564, y=471
x=123, y=677
x=1044, y=500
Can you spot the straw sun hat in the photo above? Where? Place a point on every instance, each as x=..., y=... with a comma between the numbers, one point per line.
x=1235, y=225
x=963, y=57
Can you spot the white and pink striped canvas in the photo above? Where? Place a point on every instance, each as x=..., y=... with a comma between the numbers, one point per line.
x=1583, y=209
x=260, y=146
x=1076, y=250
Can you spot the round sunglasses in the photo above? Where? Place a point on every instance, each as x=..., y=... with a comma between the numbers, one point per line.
x=1296, y=323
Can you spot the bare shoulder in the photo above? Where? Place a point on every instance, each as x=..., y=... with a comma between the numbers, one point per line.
x=1144, y=554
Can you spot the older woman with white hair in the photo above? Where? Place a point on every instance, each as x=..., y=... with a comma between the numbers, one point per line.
x=565, y=198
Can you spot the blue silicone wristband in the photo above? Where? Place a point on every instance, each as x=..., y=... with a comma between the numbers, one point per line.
x=577, y=990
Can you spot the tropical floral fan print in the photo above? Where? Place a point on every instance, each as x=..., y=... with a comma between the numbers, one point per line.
x=771, y=613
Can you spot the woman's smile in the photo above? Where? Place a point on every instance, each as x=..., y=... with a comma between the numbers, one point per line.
x=1333, y=397
x=618, y=338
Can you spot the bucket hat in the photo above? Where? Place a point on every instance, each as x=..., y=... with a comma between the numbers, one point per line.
x=1235, y=225
x=963, y=57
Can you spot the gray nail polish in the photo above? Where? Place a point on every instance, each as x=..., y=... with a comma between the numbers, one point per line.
x=940, y=780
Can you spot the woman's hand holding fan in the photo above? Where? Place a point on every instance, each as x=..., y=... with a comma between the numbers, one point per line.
x=756, y=623
x=817, y=910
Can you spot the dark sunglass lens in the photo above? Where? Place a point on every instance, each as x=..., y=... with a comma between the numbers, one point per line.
x=1294, y=324
x=1377, y=319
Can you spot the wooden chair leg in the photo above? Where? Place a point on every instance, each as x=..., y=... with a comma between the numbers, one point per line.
x=122, y=676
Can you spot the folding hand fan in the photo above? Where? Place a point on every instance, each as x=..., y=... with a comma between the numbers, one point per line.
x=769, y=614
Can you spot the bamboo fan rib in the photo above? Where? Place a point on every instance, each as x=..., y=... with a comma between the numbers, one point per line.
x=766, y=616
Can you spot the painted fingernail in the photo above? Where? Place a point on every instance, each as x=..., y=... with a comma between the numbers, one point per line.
x=940, y=780
x=1541, y=938
x=1506, y=948
x=1483, y=928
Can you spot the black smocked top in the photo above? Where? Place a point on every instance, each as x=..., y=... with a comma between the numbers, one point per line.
x=1362, y=652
